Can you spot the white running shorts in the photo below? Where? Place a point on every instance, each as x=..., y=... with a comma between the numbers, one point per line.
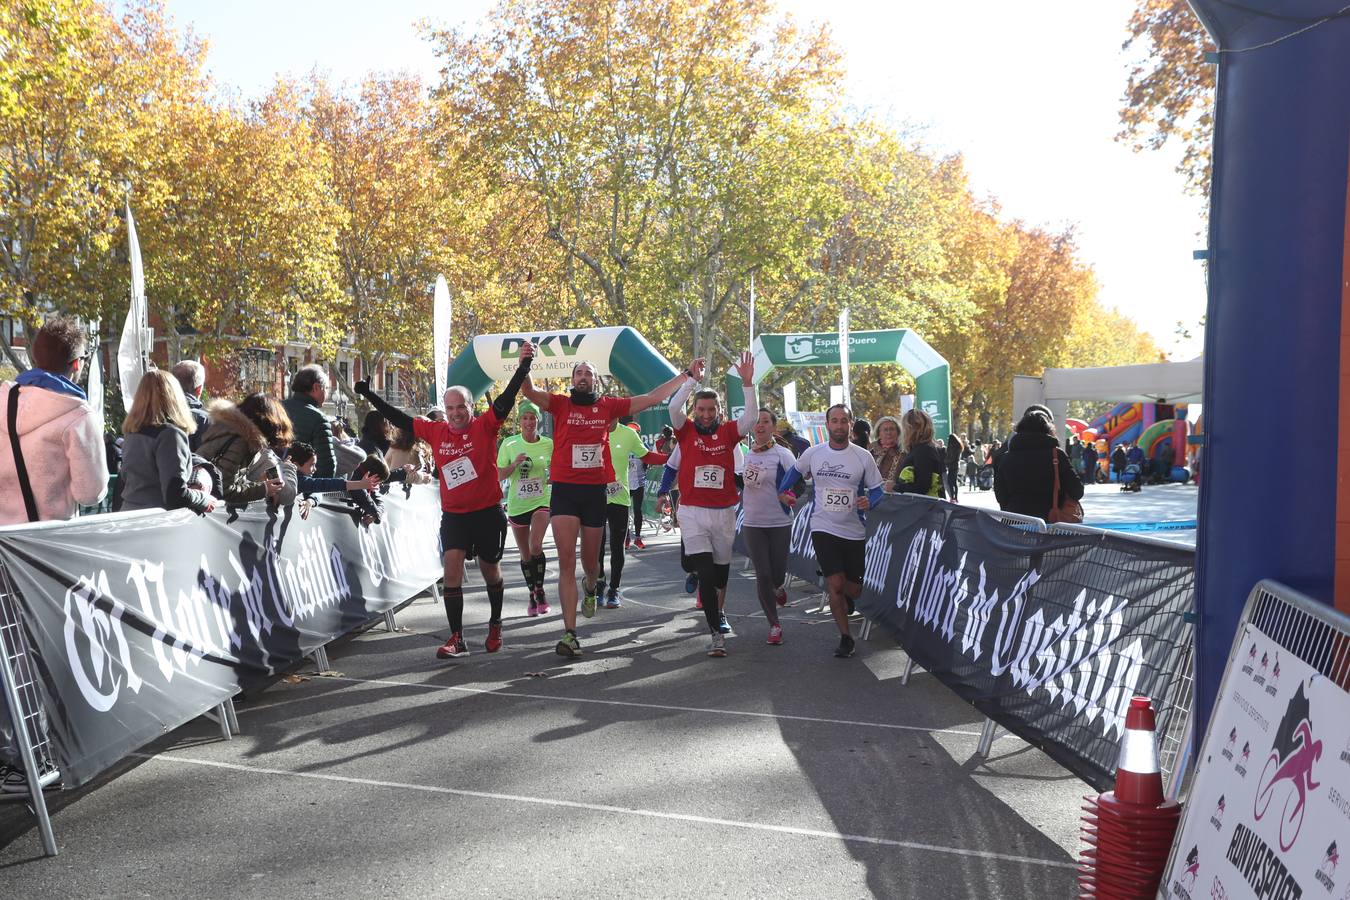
x=707, y=530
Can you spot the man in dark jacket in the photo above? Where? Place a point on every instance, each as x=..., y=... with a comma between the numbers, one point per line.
x=1024, y=473
x=1118, y=461
x=309, y=389
x=191, y=376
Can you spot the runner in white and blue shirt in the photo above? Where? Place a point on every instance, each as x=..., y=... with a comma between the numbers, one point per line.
x=846, y=483
x=767, y=523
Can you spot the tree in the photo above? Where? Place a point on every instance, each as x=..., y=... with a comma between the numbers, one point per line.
x=85, y=96
x=1170, y=95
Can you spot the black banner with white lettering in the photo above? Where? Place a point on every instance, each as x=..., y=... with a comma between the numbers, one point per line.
x=139, y=622
x=1049, y=635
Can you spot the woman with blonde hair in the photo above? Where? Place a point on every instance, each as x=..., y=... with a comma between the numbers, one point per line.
x=923, y=465
x=156, y=461
x=886, y=450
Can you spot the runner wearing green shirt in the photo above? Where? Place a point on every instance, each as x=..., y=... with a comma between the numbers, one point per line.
x=523, y=459
x=624, y=442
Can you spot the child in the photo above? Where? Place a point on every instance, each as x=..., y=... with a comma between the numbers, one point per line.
x=367, y=478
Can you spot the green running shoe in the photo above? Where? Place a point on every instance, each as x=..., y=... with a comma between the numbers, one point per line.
x=569, y=646
x=588, y=604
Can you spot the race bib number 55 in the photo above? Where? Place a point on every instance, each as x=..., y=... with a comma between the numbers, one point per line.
x=458, y=472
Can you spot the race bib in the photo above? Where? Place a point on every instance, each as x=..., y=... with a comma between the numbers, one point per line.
x=530, y=488
x=752, y=475
x=612, y=490
x=838, y=499
x=457, y=472
x=586, y=456
x=709, y=477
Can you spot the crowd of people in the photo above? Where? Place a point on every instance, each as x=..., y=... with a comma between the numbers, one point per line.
x=585, y=484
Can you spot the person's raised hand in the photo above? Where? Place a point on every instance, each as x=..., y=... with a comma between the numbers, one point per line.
x=526, y=351
x=745, y=367
x=696, y=369
x=370, y=481
x=362, y=387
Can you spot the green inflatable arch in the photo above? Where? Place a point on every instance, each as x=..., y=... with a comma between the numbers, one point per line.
x=932, y=374
x=620, y=352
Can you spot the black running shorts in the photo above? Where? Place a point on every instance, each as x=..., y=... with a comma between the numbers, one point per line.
x=524, y=519
x=835, y=555
x=585, y=501
x=481, y=534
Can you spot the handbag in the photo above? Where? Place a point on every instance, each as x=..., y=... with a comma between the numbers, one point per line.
x=1070, y=511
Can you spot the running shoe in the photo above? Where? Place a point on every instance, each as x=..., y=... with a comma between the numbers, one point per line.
x=640, y=544
x=719, y=646
x=780, y=596
x=775, y=634
x=845, y=648
x=588, y=604
x=691, y=584
x=453, y=647
x=601, y=587
x=534, y=606
x=544, y=608
x=723, y=626
x=852, y=610
x=569, y=646
x=494, y=638
x=612, y=599
x=627, y=541
x=698, y=603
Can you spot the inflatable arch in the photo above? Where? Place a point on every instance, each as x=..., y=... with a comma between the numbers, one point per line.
x=616, y=351
x=932, y=374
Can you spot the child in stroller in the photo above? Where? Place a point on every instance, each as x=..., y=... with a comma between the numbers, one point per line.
x=1132, y=478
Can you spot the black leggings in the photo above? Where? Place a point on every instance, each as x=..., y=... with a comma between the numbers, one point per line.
x=637, y=494
x=616, y=526
x=711, y=576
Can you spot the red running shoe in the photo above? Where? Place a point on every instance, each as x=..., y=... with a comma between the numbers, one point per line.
x=640, y=544
x=627, y=541
x=494, y=638
x=453, y=647
x=781, y=596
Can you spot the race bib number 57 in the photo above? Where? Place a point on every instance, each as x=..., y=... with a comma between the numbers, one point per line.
x=586, y=456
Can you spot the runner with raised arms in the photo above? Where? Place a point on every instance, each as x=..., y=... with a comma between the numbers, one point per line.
x=847, y=483
x=472, y=521
x=580, y=469
x=523, y=460
x=708, y=489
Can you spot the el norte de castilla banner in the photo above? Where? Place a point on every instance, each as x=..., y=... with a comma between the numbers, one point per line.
x=1049, y=635
x=139, y=622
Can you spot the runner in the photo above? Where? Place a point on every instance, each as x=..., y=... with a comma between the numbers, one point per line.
x=847, y=483
x=579, y=471
x=523, y=460
x=707, y=479
x=768, y=523
x=624, y=444
x=670, y=473
x=472, y=521
x=637, y=490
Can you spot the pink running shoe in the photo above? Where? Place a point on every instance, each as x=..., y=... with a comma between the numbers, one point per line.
x=780, y=595
x=775, y=635
x=698, y=603
x=534, y=607
x=543, y=607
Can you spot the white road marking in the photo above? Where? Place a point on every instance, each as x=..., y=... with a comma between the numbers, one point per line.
x=621, y=810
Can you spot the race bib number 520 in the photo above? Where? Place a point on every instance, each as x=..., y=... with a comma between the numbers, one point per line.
x=838, y=499
x=586, y=456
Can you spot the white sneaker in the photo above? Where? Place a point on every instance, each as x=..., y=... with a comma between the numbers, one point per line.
x=719, y=645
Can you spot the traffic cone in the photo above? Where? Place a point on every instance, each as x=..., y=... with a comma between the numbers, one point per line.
x=1128, y=832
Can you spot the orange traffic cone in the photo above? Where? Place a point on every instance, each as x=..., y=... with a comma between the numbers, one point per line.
x=1128, y=832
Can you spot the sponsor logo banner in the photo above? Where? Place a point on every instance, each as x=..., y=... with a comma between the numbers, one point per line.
x=1049, y=635
x=139, y=623
x=1284, y=796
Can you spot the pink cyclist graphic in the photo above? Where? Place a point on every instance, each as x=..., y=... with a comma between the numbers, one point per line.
x=1292, y=757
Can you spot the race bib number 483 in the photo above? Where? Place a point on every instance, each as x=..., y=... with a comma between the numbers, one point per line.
x=586, y=456
x=530, y=488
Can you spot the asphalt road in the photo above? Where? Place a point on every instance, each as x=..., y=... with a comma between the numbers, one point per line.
x=645, y=769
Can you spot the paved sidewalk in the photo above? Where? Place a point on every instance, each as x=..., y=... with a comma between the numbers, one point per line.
x=645, y=769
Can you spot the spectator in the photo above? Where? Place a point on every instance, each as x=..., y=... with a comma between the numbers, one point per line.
x=968, y=459
x=309, y=390
x=1024, y=476
x=862, y=433
x=796, y=443
x=191, y=377
x=300, y=462
x=243, y=442
x=156, y=457
x=376, y=433
x=1090, y=464
x=887, y=451
x=954, y=451
x=1076, y=453
x=436, y=414
x=406, y=450
x=1118, y=460
x=60, y=439
x=923, y=464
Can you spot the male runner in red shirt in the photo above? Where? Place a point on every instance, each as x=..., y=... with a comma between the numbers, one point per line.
x=472, y=520
x=579, y=472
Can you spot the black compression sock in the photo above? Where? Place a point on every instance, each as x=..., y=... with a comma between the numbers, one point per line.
x=495, y=593
x=454, y=607
x=540, y=568
x=527, y=569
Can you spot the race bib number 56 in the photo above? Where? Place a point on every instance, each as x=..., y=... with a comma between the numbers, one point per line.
x=710, y=477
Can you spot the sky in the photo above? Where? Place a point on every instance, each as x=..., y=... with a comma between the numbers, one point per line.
x=1027, y=92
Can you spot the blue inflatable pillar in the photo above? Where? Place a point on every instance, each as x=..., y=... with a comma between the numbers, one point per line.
x=1273, y=337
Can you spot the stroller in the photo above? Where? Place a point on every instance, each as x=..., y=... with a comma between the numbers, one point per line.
x=1132, y=478
x=984, y=478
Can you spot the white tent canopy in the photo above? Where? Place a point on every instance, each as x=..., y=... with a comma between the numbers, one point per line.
x=1171, y=382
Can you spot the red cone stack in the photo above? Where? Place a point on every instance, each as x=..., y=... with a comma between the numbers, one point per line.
x=1129, y=831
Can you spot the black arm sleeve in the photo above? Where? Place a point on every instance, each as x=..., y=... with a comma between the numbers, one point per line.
x=507, y=398
x=397, y=417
